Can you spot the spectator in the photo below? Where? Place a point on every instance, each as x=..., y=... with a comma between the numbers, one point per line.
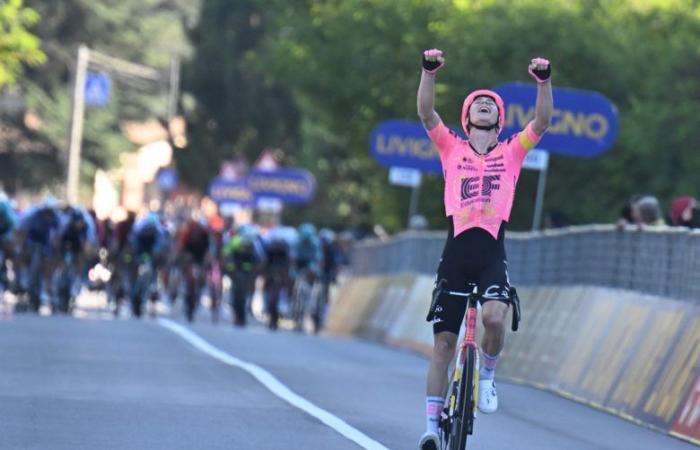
x=555, y=219
x=626, y=214
x=646, y=211
x=682, y=212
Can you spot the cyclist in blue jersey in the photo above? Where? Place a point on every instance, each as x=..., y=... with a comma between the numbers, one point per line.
x=308, y=258
x=149, y=241
x=76, y=233
x=8, y=224
x=308, y=251
x=38, y=228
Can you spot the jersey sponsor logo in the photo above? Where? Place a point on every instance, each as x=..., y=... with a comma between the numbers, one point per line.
x=471, y=187
x=489, y=184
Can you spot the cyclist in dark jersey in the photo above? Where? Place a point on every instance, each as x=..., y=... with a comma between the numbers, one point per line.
x=480, y=178
x=192, y=256
x=278, y=244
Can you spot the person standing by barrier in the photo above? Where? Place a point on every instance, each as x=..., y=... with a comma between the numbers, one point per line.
x=684, y=212
x=480, y=179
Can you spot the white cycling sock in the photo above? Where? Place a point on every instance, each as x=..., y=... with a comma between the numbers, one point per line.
x=433, y=410
x=488, y=369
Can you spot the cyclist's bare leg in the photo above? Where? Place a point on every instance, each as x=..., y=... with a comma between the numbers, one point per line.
x=493, y=316
x=443, y=354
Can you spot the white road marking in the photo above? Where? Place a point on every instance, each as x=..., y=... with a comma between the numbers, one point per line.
x=275, y=386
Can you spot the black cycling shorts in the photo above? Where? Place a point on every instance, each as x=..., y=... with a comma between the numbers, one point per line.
x=473, y=257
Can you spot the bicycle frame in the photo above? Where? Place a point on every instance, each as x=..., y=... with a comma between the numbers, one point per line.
x=468, y=341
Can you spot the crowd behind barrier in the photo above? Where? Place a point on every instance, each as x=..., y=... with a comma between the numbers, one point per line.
x=663, y=261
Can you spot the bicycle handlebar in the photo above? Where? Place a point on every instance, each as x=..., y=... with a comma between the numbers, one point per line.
x=512, y=299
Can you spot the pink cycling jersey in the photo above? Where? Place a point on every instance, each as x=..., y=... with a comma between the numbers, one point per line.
x=479, y=189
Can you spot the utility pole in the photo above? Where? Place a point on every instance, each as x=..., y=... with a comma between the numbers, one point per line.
x=76, y=132
x=132, y=74
x=174, y=88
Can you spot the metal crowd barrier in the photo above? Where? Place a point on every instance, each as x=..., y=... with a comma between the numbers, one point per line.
x=662, y=261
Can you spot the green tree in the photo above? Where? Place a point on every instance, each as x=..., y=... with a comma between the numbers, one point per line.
x=240, y=109
x=350, y=64
x=148, y=32
x=18, y=46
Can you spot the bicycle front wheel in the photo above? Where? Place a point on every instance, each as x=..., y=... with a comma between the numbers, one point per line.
x=464, y=420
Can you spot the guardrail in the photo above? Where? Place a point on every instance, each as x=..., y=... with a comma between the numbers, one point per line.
x=662, y=261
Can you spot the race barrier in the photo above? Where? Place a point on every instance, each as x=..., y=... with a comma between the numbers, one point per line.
x=632, y=354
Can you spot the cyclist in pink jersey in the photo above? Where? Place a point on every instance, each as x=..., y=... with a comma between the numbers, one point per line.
x=480, y=174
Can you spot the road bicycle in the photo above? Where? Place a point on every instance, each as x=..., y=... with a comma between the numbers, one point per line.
x=462, y=400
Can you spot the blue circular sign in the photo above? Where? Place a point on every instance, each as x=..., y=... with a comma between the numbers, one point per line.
x=167, y=179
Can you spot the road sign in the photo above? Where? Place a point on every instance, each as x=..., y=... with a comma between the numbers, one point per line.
x=287, y=185
x=402, y=176
x=166, y=179
x=97, y=87
x=536, y=159
x=584, y=123
x=224, y=191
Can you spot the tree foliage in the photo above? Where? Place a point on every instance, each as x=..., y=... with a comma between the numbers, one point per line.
x=18, y=46
x=240, y=110
x=350, y=64
x=148, y=32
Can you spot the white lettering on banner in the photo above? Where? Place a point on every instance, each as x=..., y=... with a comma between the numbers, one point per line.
x=421, y=148
x=591, y=126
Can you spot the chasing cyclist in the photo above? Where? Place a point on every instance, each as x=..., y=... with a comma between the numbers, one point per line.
x=480, y=179
x=192, y=254
x=8, y=224
x=308, y=258
x=76, y=236
x=243, y=257
x=149, y=241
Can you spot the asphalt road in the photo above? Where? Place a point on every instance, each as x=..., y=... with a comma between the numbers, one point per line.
x=69, y=383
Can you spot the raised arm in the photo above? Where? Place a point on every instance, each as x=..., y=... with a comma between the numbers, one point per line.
x=541, y=71
x=432, y=62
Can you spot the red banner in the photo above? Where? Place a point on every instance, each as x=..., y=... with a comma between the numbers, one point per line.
x=688, y=422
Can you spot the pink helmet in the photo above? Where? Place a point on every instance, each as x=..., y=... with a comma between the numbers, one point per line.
x=479, y=93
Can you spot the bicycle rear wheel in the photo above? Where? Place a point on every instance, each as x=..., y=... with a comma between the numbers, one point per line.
x=464, y=420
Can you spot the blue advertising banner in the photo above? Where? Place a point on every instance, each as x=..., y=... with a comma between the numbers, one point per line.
x=584, y=124
x=287, y=185
x=97, y=87
x=403, y=143
x=225, y=191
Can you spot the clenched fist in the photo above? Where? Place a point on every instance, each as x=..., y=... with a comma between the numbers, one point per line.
x=540, y=69
x=433, y=60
